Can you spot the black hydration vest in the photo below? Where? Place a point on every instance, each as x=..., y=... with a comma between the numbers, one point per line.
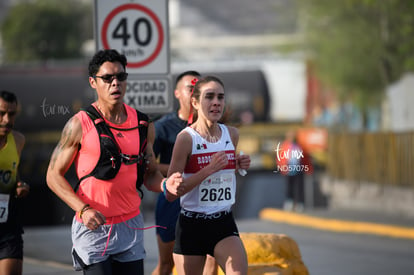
x=111, y=157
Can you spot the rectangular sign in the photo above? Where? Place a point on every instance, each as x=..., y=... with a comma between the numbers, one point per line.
x=140, y=30
x=149, y=94
x=137, y=29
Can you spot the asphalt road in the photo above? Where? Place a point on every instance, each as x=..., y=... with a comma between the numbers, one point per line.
x=324, y=252
x=47, y=250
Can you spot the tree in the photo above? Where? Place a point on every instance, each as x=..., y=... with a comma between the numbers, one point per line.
x=359, y=47
x=46, y=29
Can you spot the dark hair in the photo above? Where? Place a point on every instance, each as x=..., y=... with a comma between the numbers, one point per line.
x=8, y=96
x=196, y=91
x=103, y=56
x=181, y=75
x=209, y=78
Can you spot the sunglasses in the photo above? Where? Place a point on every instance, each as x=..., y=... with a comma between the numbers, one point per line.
x=108, y=78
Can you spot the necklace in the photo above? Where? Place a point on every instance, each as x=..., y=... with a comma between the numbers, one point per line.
x=211, y=136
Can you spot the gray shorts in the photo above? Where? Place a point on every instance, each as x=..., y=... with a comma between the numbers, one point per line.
x=125, y=243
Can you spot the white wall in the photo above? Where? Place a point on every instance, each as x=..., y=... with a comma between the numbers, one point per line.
x=399, y=104
x=287, y=82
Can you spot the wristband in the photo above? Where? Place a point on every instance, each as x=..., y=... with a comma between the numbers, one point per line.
x=164, y=187
x=83, y=210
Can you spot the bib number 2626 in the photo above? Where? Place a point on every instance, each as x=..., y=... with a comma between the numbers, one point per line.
x=216, y=191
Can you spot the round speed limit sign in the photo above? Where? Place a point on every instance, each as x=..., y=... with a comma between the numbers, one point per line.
x=137, y=31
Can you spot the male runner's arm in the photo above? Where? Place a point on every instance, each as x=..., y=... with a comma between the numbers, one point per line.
x=153, y=178
x=22, y=188
x=61, y=160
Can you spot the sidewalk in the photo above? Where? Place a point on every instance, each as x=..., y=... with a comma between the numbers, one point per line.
x=47, y=249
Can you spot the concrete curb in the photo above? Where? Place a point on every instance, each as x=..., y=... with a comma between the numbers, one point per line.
x=336, y=225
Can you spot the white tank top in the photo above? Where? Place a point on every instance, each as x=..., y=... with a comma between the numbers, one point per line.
x=217, y=192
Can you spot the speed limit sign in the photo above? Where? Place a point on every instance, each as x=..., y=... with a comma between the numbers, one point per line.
x=137, y=29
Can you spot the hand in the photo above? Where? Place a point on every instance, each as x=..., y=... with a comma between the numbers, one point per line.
x=92, y=218
x=243, y=161
x=22, y=189
x=218, y=161
x=174, y=186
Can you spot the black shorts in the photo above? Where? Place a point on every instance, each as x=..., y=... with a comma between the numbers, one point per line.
x=11, y=247
x=198, y=234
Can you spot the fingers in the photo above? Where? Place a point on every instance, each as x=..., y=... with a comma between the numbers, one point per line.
x=22, y=189
x=243, y=161
x=177, y=177
x=92, y=225
x=220, y=156
x=92, y=219
x=173, y=184
x=218, y=161
x=181, y=190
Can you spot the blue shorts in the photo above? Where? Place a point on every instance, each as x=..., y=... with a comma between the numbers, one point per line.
x=166, y=214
